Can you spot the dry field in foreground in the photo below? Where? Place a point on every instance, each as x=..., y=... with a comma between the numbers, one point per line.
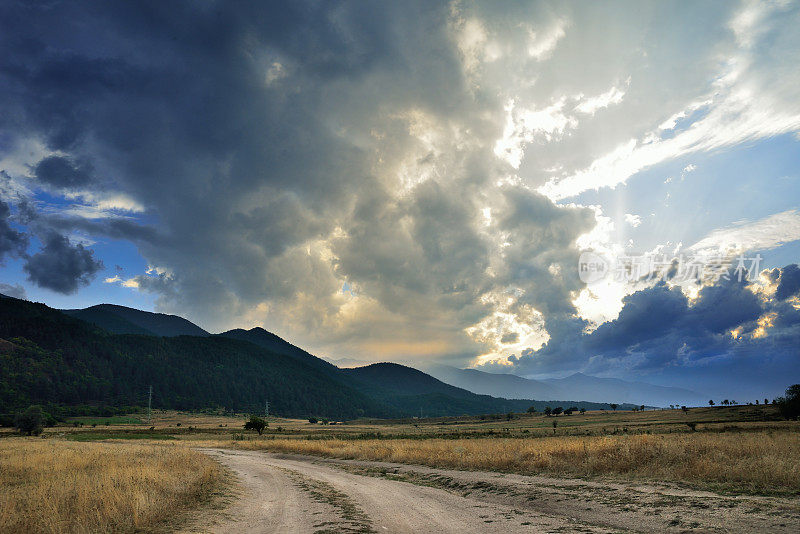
x=757, y=462
x=58, y=486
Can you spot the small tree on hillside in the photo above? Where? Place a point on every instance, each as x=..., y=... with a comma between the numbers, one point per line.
x=30, y=421
x=557, y=410
x=614, y=406
x=685, y=409
x=548, y=410
x=583, y=411
x=312, y=420
x=256, y=423
x=711, y=402
x=532, y=409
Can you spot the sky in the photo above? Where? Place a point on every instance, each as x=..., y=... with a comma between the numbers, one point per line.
x=417, y=181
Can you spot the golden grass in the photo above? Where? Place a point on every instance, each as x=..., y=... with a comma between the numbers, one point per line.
x=758, y=462
x=58, y=486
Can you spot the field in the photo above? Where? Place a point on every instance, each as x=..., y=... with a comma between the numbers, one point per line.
x=61, y=486
x=132, y=474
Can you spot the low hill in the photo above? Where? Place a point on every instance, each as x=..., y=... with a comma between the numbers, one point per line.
x=124, y=320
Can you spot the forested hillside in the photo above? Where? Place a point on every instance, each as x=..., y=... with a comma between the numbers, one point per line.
x=48, y=357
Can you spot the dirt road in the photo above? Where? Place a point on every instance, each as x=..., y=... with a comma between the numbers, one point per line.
x=282, y=493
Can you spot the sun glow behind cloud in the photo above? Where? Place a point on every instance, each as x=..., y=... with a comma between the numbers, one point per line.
x=376, y=188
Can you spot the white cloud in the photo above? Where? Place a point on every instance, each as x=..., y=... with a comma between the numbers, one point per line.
x=541, y=44
x=593, y=104
x=764, y=234
x=528, y=125
x=743, y=107
x=633, y=220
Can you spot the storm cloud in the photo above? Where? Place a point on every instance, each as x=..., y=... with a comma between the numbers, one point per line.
x=373, y=180
x=62, y=266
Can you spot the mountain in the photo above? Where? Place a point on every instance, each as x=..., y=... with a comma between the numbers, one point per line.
x=124, y=320
x=576, y=386
x=58, y=359
x=616, y=390
x=268, y=340
x=409, y=389
x=51, y=358
x=491, y=383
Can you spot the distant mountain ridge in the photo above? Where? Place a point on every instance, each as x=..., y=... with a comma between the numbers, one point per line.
x=123, y=320
x=577, y=386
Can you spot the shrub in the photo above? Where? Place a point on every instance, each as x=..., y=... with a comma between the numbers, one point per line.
x=789, y=406
x=313, y=420
x=30, y=421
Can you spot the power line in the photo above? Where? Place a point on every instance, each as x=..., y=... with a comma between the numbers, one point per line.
x=149, y=405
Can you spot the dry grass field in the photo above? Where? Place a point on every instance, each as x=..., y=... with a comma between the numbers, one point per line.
x=751, y=462
x=61, y=486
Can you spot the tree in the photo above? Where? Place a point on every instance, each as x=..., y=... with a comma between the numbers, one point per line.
x=789, y=405
x=256, y=423
x=557, y=410
x=756, y=402
x=312, y=420
x=30, y=421
x=766, y=401
x=614, y=406
x=548, y=410
x=568, y=411
x=532, y=409
x=641, y=407
x=510, y=416
x=726, y=402
x=685, y=409
x=583, y=411
x=711, y=402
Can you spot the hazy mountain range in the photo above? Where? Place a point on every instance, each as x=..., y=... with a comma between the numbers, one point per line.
x=577, y=386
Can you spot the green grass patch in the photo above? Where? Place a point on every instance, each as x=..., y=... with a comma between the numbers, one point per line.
x=100, y=436
x=114, y=420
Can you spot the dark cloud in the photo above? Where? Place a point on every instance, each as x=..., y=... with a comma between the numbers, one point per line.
x=727, y=329
x=12, y=242
x=284, y=152
x=62, y=172
x=789, y=284
x=61, y=266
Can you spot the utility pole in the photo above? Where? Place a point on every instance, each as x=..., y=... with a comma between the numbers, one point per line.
x=149, y=405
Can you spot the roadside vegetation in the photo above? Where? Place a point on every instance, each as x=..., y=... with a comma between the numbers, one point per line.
x=758, y=462
x=59, y=486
